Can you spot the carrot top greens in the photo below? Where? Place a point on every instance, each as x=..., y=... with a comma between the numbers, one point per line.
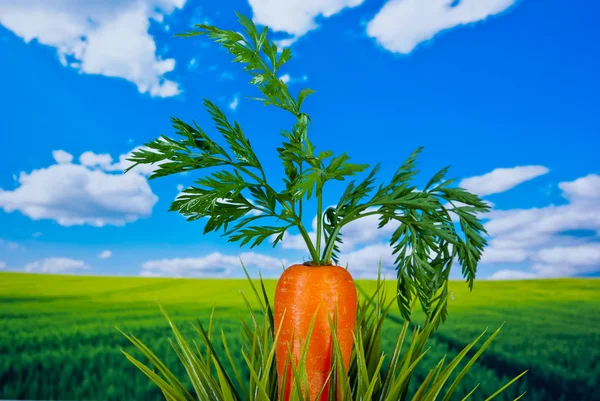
x=238, y=195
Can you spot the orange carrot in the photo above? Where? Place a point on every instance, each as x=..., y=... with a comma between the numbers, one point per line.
x=238, y=194
x=300, y=292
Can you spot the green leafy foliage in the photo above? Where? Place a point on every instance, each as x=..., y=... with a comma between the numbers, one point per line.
x=426, y=240
x=364, y=381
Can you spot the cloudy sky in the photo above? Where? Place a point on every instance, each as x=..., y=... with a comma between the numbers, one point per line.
x=505, y=91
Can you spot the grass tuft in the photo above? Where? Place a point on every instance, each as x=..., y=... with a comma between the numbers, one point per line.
x=372, y=375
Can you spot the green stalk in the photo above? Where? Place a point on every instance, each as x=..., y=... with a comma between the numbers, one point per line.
x=328, y=251
x=301, y=199
x=311, y=248
x=319, y=223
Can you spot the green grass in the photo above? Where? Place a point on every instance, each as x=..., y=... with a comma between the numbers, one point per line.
x=58, y=341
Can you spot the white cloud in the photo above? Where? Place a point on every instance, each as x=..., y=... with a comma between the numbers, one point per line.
x=180, y=187
x=215, y=264
x=94, y=37
x=567, y=270
x=62, y=157
x=503, y=255
x=92, y=159
x=364, y=262
x=285, y=78
x=105, y=254
x=234, y=103
x=563, y=261
x=545, y=236
x=295, y=241
x=501, y=179
x=365, y=231
x=73, y=194
x=150, y=273
x=403, y=24
x=283, y=43
x=2, y=264
x=56, y=266
x=581, y=255
x=536, y=226
x=582, y=189
x=509, y=274
x=296, y=17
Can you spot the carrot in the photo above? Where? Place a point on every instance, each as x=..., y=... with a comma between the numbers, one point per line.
x=238, y=196
x=300, y=292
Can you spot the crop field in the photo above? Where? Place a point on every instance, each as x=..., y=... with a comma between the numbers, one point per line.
x=58, y=339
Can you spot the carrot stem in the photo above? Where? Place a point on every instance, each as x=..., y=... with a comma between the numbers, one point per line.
x=311, y=248
x=319, y=224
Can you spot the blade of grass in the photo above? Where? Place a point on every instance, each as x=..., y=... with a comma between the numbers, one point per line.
x=262, y=391
x=267, y=305
x=166, y=388
x=208, y=349
x=466, y=397
x=401, y=379
x=505, y=386
x=521, y=396
x=420, y=394
x=159, y=365
x=207, y=341
x=392, y=367
x=469, y=364
x=224, y=383
x=369, y=394
x=437, y=386
x=203, y=383
x=267, y=364
x=233, y=365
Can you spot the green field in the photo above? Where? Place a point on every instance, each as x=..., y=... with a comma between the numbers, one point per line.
x=58, y=338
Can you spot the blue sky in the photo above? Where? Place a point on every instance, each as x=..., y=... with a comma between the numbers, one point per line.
x=504, y=91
